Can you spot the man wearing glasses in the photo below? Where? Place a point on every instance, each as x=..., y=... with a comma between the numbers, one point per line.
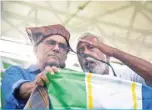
x=139, y=70
x=51, y=48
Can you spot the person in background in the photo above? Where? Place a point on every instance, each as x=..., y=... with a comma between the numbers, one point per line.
x=136, y=69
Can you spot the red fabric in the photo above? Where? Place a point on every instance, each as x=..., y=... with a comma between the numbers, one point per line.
x=37, y=34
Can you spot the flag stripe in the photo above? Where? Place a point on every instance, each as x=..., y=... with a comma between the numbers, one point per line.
x=90, y=97
x=133, y=87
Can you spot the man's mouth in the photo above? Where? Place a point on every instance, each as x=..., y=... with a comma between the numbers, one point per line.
x=54, y=57
x=90, y=63
x=90, y=60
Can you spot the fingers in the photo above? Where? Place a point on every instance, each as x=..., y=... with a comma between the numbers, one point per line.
x=41, y=78
x=95, y=44
x=38, y=79
x=44, y=78
x=52, y=69
x=85, y=41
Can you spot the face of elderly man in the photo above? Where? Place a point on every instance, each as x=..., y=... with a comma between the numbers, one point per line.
x=52, y=51
x=87, y=63
x=50, y=44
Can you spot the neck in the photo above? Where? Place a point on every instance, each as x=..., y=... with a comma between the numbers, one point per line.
x=41, y=66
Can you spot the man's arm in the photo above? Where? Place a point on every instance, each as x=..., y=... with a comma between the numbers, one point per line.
x=13, y=78
x=26, y=89
x=140, y=66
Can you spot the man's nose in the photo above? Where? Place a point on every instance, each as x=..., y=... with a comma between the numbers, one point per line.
x=86, y=51
x=56, y=48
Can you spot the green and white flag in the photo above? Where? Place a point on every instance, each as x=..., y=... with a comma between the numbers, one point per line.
x=78, y=90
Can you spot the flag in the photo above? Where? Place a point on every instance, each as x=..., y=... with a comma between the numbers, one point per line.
x=71, y=89
x=77, y=90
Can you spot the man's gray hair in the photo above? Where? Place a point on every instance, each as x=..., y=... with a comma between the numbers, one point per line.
x=88, y=34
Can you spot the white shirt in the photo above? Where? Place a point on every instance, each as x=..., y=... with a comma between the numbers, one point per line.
x=126, y=73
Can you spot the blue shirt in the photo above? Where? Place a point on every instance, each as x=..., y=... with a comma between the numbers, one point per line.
x=14, y=76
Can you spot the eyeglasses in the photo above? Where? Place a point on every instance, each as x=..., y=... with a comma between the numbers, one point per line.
x=52, y=44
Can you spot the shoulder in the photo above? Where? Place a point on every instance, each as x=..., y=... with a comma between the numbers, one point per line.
x=31, y=68
x=126, y=73
x=14, y=71
x=13, y=68
x=20, y=70
x=122, y=70
x=17, y=69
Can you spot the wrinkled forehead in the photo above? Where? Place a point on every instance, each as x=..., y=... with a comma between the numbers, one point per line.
x=86, y=38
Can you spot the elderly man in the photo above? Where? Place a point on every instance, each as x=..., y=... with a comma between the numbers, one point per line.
x=139, y=70
x=51, y=48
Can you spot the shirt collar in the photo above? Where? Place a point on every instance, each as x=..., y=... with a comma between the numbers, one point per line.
x=34, y=69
